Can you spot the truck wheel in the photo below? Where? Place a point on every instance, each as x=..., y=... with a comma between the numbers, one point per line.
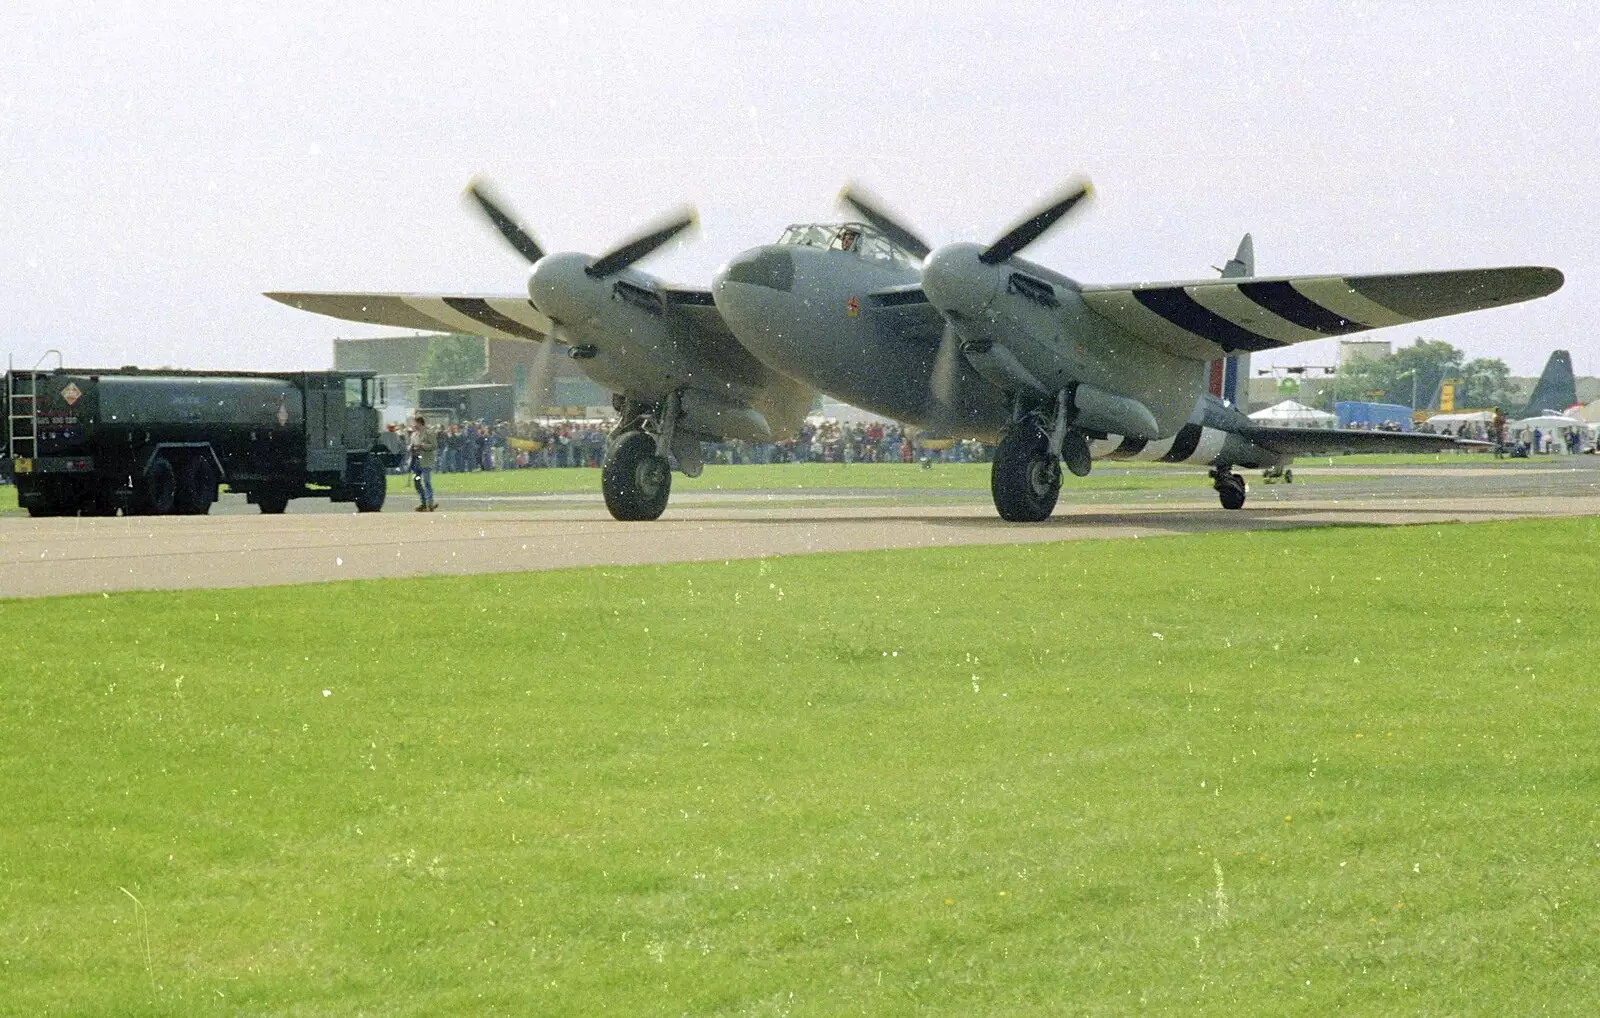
x=160, y=487
x=374, y=486
x=272, y=502
x=197, y=487
x=104, y=502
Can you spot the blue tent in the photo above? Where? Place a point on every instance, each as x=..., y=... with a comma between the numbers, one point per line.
x=1372, y=415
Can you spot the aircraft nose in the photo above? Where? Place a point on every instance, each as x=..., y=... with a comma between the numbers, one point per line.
x=955, y=280
x=770, y=267
x=754, y=292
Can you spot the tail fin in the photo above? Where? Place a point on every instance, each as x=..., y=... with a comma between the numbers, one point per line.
x=1243, y=262
x=1229, y=377
x=1557, y=389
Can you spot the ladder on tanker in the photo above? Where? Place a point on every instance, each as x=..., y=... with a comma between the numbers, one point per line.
x=22, y=415
x=22, y=409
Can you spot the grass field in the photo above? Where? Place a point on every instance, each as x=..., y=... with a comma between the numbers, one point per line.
x=885, y=476
x=888, y=476
x=1089, y=777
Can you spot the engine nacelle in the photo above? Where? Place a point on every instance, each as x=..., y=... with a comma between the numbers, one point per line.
x=705, y=414
x=1099, y=410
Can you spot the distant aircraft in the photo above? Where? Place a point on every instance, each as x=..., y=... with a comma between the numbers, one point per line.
x=1556, y=392
x=677, y=373
x=973, y=341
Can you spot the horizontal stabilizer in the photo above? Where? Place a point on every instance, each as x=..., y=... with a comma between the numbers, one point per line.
x=1311, y=441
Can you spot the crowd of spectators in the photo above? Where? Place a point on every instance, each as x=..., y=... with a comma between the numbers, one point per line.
x=480, y=445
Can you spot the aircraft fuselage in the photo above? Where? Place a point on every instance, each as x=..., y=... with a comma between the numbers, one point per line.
x=824, y=317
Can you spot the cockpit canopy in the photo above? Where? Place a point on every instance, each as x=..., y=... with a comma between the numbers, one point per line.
x=858, y=239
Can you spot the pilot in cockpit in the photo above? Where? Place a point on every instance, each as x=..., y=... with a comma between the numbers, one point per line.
x=846, y=241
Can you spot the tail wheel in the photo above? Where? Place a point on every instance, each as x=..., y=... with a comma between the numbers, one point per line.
x=1026, y=478
x=196, y=487
x=374, y=486
x=636, y=482
x=160, y=487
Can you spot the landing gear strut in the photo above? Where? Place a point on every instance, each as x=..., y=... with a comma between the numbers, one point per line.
x=1230, y=487
x=1026, y=477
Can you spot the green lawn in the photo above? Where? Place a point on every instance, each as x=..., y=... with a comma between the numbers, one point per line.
x=1334, y=770
x=944, y=476
x=794, y=476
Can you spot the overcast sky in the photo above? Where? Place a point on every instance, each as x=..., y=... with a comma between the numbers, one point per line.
x=163, y=163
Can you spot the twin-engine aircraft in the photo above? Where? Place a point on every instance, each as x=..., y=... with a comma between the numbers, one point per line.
x=967, y=339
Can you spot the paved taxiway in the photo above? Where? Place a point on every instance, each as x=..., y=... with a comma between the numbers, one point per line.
x=242, y=548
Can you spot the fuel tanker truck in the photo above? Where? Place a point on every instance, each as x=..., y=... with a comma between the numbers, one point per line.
x=95, y=442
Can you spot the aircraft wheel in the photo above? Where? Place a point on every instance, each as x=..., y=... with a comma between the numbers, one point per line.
x=196, y=487
x=160, y=487
x=1231, y=491
x=374, y=486
x=1025, y=479
x=635, y=481
x=272, y=502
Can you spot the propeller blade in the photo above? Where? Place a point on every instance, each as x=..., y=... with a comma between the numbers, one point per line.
x=871, y=209
x=539, y=377
x=1032, y=228
x=943, y=379
x=621, y=257
x=521, y=240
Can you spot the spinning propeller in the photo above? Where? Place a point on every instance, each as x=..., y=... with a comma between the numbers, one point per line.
x=1019, y=236
x=608, y=264
x=1010, y=243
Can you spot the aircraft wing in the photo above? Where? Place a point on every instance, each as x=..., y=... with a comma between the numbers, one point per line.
x=1206, y=319
x=496, y=317
x=696, y=307
x=1310, y=441
x=709, y=336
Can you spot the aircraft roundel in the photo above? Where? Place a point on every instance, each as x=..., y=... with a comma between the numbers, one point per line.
x=852, y=307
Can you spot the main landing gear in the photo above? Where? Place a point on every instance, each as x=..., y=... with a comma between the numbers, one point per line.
x=1026, y=476
x=636, y=481
x=1230, y=487
x=636, y=473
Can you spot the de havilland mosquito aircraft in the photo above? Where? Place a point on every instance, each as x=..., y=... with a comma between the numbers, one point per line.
x=677, y=374
x=973, y=341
